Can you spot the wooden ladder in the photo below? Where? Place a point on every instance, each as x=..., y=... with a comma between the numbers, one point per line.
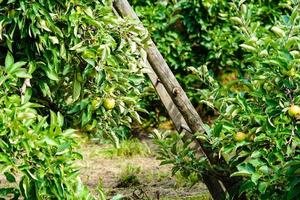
x=180, y=109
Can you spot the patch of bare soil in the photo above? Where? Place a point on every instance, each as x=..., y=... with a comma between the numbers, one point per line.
x=153, y=181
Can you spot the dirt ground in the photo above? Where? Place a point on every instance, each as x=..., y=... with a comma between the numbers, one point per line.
x=154, y=181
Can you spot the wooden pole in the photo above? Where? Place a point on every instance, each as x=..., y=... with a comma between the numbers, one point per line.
x=176, y=117
x=178, y=96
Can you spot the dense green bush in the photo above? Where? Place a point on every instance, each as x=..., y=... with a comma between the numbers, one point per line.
x=36, y=154
x=163, y=21
x=78, y=55
x=63, y=64
x=192, y=33
x=257, y=129
x=268, y=156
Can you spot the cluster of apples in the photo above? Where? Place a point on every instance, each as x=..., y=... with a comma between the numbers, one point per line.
x=108, y=103
x=241, y=136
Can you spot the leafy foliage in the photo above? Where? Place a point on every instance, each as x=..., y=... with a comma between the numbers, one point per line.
x=36, y=154
x=258, y=107
x=192, y=33
x=79, y=54
x=164, y=22
x=60, y=62
x=256, y=132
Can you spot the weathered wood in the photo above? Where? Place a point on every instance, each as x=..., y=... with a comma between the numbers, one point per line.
x=165, y=75
x=177, y=95
x=165, y=98
x=176, y=117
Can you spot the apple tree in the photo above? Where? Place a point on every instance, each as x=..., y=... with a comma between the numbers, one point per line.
x=65, y=66
x=257, y=128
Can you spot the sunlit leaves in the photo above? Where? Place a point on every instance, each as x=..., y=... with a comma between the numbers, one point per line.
x=254, y=47
x=261, y=108
x=63, y=56
x=27, y=137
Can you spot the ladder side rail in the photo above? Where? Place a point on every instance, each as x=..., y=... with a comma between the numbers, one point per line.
x=178, y=96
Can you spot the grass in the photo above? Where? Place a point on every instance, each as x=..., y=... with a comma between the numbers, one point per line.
x=129, y=176
x=185, y=180
x=126, y=165
x=204, y=196
x=128, y=148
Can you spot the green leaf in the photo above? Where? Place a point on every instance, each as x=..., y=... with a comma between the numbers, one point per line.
x=77, y=46
x=87, y=116
x=45, y=89
x=26, y=115
x=246, y=186
x=49, y=141
x=5, y=192
x=243, y=173
x=10, y=177
x=69, y=132
x=4, y=158
x=60, y=119
x=262, y=187
x=53, y=118
x=16, y=66
x=9, y=61
x=76, y=90
x=63, y=148
x=1, y=26
x=217, y=130
x=294, y=193
x=52, y=75
x=136, y=116
x=278, y=31
x=26, y=97
x=24, y=186
x=22, y=73
x=245, y=170
x=255, y=177
x=248, y=47
x=4, y=145
x=264, y=169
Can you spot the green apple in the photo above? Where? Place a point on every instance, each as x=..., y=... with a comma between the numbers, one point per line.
x=96, y=103
x=291, y=72
x=109, y=103
x=240, y=136
x=294, y=110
